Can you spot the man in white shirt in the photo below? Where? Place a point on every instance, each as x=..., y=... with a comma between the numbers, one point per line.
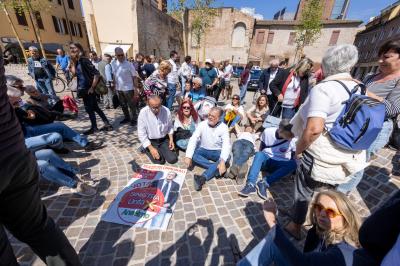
x=276, y=157
x=209, y=147
x=155, y=132
x=173, y=79
x=124, y=80
x=185, y=71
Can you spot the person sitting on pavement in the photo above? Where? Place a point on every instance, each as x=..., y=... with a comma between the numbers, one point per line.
x=25, y=118
x=185, y=124
x=155, y=132
x=16, y=82
x=55, y=169
x=242, y=150
x=276, y=158
x=257, y=113
x=157, y=82
x=37, y=98
x=52, y=141
x=209, y=147
x=331, y=241
x=196, y=93
x=234, y=112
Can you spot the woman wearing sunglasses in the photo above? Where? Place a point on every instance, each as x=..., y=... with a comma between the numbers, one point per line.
x=331, y=240
x=234, y=112
x=185, y=123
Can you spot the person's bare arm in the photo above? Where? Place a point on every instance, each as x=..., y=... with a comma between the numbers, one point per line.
x=314, y=128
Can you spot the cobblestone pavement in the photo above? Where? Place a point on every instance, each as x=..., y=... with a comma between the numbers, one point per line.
x=211, y=227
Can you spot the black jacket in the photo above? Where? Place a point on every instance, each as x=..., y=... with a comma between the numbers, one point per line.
x=280, y=79
x=263, y=82
x=173, y=191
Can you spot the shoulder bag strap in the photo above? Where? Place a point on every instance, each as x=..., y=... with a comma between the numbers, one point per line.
x=286, y=84
x=276, y=144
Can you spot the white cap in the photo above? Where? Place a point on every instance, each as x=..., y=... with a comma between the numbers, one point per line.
x=208, y=60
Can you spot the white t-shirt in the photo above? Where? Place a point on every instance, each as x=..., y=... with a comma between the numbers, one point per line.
x=247, y=136
x=123, y=75
x=292, y=92
x=272, y=76
x=282, y=152
x=325, y=99
x=228, y=72
x=173, y=75
x=240, y=109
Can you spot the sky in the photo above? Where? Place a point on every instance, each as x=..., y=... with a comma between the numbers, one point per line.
x=358, y=9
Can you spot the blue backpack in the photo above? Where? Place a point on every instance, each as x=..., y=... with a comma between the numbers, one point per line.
x=360, y=121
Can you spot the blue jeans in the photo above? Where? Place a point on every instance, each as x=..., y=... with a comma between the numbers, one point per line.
x=58, y=127
x=276, y=169
x=45, y=86
x=242, y=150
x=243, y=90
x=381, y=140
x=209, y=160
x=50, y=140
x=264, y=253
x=182, y=144
x=288, y=113
x=171, y=95
x=54, y=169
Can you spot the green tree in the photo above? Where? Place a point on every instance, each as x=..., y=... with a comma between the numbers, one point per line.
x=309, y=29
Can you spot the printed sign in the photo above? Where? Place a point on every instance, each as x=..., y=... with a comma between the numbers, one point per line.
x=149, y=198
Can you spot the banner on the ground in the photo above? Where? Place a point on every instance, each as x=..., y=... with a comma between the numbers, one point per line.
x=149, y=198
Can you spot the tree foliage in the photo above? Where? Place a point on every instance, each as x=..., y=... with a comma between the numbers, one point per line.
x=309, y=29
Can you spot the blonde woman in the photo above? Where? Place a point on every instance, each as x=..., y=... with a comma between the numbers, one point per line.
x=157, y=83
x=290, y=86
x=331, y=240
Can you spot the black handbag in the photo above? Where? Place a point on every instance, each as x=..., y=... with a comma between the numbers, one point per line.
x=394, y=141
x=182, y=134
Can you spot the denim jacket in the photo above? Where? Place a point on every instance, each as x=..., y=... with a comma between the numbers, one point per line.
x=47, y=66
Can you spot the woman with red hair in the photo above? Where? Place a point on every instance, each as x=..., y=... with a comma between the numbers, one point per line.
x=185, y=123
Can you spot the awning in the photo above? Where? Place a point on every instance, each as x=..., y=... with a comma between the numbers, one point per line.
x=110, y=49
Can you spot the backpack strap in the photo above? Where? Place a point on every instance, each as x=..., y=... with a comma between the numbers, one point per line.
x=276, y=144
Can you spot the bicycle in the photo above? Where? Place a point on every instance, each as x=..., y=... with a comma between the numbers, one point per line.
x=59, y=84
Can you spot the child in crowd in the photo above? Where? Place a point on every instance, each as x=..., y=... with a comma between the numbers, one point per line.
x=242, y=150
x=275, y=159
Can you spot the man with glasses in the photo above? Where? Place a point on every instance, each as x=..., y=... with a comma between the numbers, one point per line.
x=124, y=80
x=155, y=132
x=209, y=147
x=267, y=76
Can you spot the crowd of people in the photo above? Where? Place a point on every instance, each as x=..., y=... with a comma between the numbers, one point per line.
x=305, y=106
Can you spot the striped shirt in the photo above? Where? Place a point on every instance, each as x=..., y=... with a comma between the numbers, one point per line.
x=389, y=90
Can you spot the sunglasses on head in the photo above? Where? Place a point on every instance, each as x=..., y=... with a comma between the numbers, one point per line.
x=186, y=107
x=331, y=213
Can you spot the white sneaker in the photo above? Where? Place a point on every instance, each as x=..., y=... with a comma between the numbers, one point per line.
x=85, y=190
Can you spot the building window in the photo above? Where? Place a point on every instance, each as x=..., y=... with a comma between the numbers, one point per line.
x=71, y=4
x=338, y=9
x=71, y=26
x=292, y=38
x=239, y=35
x=260, y=37
x=55, y=23
x=334, y=37
x=270, y=38
x=64, y=22
x=80, y=30
x=39, y=20
x=20, y=14
x=391, y=32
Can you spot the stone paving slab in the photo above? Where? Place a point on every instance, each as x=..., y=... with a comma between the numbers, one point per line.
x=211, y=227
